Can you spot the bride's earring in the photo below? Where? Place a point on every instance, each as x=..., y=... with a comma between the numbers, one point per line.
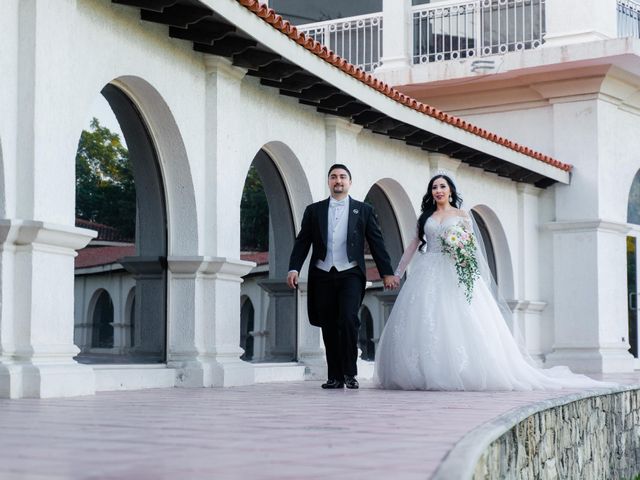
x=450, y=199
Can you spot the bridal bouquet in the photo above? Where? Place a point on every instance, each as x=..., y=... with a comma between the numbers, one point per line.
x=461, y=245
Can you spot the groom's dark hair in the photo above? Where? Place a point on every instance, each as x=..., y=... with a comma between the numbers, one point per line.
x=335, y=166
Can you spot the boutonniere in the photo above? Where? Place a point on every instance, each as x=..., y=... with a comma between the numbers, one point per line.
x=355, y=211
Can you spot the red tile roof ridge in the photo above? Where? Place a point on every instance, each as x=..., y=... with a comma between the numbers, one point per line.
x=270, y=16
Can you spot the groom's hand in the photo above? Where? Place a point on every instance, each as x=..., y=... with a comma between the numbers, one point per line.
x=391, y=282
x=292, y=279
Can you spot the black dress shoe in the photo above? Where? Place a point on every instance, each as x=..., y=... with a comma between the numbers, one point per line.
x=351, y=382
x=332, y=384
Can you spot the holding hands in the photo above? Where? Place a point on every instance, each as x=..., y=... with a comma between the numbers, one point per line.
x=391, y=282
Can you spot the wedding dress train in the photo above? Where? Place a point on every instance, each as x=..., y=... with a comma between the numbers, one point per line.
x=435, y=339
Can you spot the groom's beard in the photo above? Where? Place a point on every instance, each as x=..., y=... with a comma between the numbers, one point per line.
x=338, y=189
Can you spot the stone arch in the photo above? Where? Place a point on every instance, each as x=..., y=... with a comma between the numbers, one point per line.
x=166, y=222
x=500, y=247
x=633, y=201
x=293, y=176
x=287, y=196
x=172, y=160
x=101, y=315
x=396, y=215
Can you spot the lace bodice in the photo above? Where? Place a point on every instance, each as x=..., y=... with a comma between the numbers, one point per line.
x=432, y=228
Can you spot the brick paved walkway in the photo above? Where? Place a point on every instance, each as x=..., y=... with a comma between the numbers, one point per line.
x=265, y=431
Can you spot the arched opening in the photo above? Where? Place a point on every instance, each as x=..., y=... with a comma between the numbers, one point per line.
x=120, y=193
x=267, y=236
x=102, y=321
x=366, y=335
x=378, y=198
x=496, y=249
x=487, y=244
x=247, y=314
x=633, y=217
x=387, y=220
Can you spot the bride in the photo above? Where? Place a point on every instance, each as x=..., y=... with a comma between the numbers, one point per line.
x=446, y=331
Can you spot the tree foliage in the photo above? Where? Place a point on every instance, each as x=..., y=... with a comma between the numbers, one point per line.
x=105, y=189
x=254, y=215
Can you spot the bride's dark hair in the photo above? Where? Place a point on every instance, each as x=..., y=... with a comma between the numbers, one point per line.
x=429, y=206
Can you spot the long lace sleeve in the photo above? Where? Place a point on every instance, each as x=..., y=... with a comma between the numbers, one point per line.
x=407, y=255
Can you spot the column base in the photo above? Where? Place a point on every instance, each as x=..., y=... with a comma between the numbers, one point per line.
x=591, y=360
x=365, y=369
x=218, y=372
x=27, y=380
x=315, y=366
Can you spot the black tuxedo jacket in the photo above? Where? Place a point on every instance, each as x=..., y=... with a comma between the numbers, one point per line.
x=362, y=225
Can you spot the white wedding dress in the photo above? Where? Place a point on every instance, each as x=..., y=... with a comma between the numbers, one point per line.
x=435, y=340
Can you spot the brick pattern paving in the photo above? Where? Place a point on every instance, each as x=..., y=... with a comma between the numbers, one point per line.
x=265, y=431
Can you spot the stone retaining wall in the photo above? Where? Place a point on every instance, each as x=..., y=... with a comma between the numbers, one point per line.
x=592, y=438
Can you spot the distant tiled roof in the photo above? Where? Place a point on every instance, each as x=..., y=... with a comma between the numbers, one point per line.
x=105, y=232
x=98, y=256
x=276, y=21
x=373, y=275
x=261, y=258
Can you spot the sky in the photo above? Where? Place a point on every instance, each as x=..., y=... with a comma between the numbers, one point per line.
x=102, y=111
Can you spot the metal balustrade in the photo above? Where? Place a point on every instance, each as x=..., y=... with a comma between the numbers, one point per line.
x=357, y=39
x=454, y=29
x=628, y=18
x=476, y=28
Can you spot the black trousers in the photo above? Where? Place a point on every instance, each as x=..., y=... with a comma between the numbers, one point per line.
x=339, y=296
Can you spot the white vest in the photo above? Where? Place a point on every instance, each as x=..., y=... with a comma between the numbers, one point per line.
x=337, y=229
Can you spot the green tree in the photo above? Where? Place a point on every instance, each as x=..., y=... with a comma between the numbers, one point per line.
x=254, y=214
x=105, y=190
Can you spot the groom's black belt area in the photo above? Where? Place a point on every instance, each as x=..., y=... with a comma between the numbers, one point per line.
x=335, y=272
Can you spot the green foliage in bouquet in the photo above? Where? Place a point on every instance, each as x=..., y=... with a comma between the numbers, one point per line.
x=460, y=245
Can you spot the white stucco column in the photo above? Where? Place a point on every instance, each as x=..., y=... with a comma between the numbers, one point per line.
x=576, y=21
x=397, y=42
x=528, y=306
x=36, y=332
x=310, y=344
x=38, y=238
x=589, y=239
x=590, y=308
x=204, y=316
x=204, y=341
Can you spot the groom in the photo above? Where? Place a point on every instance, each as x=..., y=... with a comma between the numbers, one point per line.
x=337, y=228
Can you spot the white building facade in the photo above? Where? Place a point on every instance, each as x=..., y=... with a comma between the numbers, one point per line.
x=204, y=89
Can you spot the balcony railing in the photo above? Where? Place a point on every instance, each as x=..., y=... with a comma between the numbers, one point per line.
x=476, y=28
x=454, y=29
x=628, y=18
x=358, y=39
